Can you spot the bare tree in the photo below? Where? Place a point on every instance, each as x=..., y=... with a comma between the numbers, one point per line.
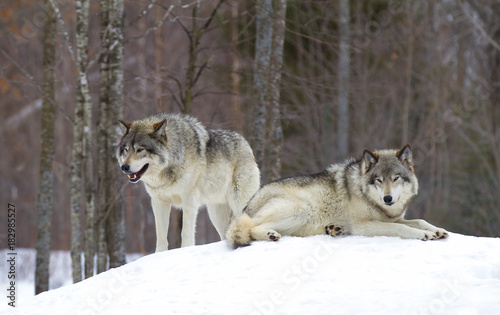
x=186, y=95
x=46, y=184
x=193, y=69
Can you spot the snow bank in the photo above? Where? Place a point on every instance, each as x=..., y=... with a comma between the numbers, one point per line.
x=313, y=275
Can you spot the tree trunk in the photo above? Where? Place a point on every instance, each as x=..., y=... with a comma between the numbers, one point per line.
x=82, y=153
x=237, y=120
x=159, y=99
x=194, y=41
x=46, y=183
x=343, y=83
x=111, y=216
x=267, y=135
x=102, y=138
x=273, y=90
x=263, y=44
x=83, y=97
x=77, y=159
x=408, y=73
x=115, y=225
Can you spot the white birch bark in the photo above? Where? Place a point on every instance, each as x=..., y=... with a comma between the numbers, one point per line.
x=111, y=218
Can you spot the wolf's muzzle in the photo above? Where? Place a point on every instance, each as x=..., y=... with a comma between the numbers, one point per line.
x=134, y=177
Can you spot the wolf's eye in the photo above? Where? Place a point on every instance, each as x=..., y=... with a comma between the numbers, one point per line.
x=396, y=178
x=379, y=181
x=140, y=150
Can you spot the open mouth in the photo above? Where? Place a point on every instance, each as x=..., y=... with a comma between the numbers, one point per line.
x=134, y=177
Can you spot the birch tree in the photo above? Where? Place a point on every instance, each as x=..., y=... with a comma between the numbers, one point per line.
x=46, y=182
x=111, y=217
x=82, y=153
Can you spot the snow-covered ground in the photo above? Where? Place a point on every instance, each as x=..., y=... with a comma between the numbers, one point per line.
x=59, y=271
x=313, y=275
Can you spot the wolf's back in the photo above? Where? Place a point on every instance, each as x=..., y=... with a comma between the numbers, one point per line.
x=238, y=233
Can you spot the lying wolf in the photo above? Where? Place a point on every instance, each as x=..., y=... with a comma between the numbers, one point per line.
x=184, y=165
x=358, y=197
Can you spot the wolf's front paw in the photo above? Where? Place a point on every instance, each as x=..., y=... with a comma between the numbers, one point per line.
x=333, y=230
x=273, y=236
x=428, y=235
x=435, y=235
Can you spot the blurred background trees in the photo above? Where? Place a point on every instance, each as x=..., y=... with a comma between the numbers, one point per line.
x=422, y=72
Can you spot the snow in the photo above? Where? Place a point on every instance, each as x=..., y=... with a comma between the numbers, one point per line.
x=312, y=275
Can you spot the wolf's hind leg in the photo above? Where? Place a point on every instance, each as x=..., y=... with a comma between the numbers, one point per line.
x=333, y=230
x=271, y=230
x=261, y=233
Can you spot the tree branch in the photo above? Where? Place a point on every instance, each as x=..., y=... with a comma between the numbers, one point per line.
x=143, y=13
x=478, y=26
x=66, y=35
x=153, y=28
x=203, y=66
x=184, y=28
x=212, y=15
x=180, y=102
x=18, y=66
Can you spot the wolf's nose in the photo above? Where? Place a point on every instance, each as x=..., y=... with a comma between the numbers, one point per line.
x=387, y=198
x=126, y=168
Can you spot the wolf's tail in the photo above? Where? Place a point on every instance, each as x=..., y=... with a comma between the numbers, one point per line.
x=238, y=233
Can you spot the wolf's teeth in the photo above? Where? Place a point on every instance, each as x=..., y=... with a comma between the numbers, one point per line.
x=132, y=176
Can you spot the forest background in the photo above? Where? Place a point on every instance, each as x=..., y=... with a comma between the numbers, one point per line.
x=353, y=75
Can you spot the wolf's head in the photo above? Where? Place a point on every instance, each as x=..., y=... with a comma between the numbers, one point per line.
x=389, y=180
x=141, y=149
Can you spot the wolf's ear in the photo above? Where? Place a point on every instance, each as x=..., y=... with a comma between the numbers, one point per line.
x=405, y=156
x=369, y=159
x=124, y=126
x=159, y=128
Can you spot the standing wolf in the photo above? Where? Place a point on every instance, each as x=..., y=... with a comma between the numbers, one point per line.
x=184, y=165
x=358, y=197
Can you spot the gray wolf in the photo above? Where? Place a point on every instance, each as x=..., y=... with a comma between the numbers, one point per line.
x=368, y=196
x=182, y=164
